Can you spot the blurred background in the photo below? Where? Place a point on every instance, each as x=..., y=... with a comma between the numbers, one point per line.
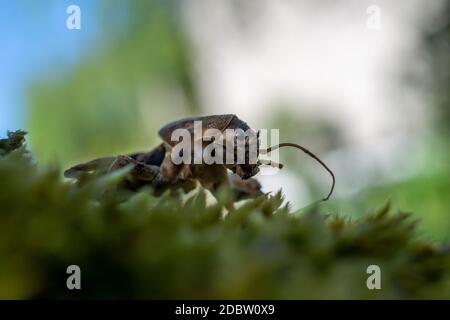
x=363, y=84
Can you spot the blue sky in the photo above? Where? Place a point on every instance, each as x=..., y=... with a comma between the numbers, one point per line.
x=33, y=36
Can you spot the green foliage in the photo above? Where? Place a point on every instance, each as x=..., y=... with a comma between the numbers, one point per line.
x=425, y=194
x=14, y=141
x=176, y=246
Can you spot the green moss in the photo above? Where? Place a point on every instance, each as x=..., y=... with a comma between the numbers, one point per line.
x=14, y=141
x=177, y=247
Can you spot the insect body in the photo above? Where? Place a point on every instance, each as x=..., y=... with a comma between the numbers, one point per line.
x=158, y=168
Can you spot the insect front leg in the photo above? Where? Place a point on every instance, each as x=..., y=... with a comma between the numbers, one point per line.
x=243, y=189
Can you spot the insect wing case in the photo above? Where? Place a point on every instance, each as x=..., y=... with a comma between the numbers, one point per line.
x=220, y=122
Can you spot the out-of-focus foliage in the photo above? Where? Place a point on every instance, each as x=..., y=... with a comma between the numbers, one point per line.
x=14, y=141
x=177, y=247
x=427, y=196
x=424, y=194
x=436, y=46
x=114, y=100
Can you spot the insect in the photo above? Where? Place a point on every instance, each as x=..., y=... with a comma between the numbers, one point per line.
x=157, y=168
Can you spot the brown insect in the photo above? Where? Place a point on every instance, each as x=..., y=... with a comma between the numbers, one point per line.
x=157, y=169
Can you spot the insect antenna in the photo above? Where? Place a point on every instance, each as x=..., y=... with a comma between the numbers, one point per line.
x=312, y=155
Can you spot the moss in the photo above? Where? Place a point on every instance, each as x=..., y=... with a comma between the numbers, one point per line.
x=175, y=246
x=14, y=141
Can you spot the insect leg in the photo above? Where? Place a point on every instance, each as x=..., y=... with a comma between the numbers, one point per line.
x=244, y=188
x=100, y=164
x=140, y=171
